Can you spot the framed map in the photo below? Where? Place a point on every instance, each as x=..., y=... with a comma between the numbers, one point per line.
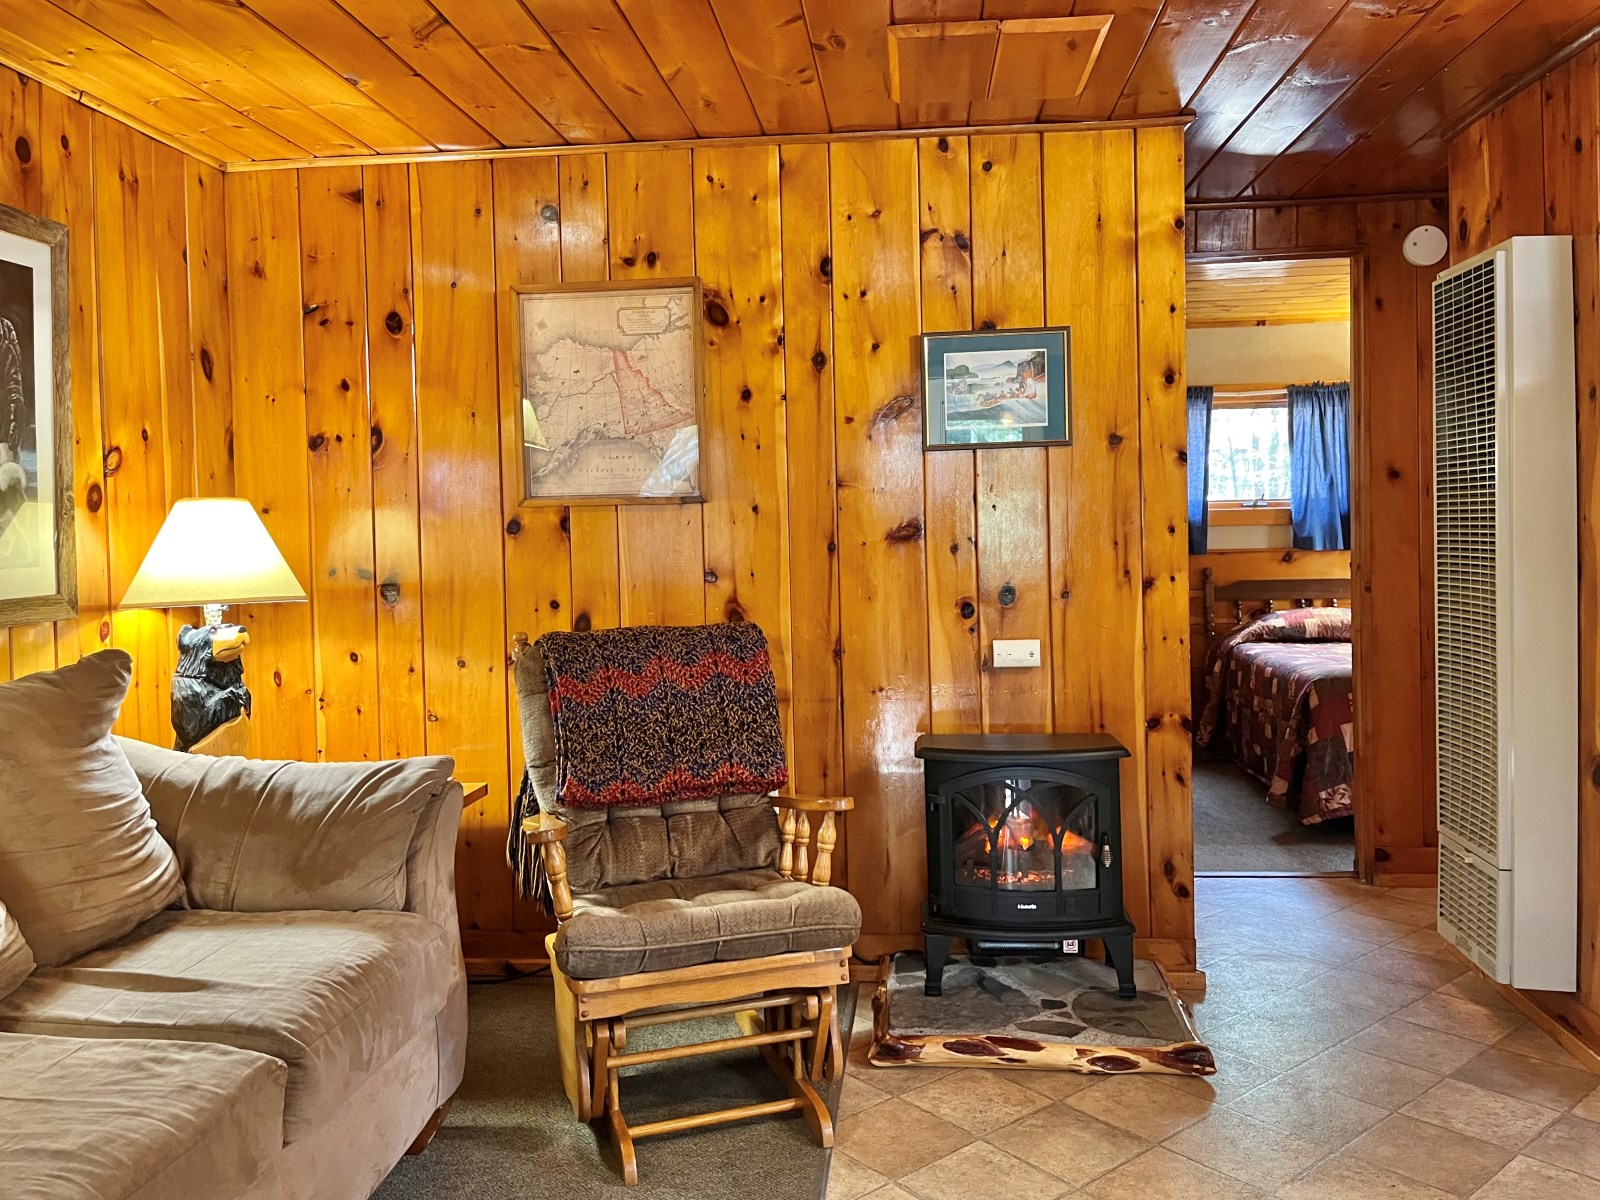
x=611, y=392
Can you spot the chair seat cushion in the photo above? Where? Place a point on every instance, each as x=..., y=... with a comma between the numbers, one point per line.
x=670, y=923
x=331, y=994
x=106, y=1119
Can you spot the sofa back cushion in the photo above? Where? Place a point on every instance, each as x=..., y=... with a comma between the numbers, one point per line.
x=264, y=836
x=81, y=862
x=608, y=847
x=16, y=960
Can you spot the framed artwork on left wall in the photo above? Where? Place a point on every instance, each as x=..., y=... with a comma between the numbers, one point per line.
x=38, y=558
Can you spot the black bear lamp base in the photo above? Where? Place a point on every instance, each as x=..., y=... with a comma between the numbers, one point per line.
x=208, y=690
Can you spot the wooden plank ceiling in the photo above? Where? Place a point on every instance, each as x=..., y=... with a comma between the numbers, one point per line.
x=1291, y=97
x=1282, y=292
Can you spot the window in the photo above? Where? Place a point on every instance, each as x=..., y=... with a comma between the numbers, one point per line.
x=1248, y=458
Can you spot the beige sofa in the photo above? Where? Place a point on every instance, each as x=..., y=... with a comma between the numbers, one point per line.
x=286, y=1031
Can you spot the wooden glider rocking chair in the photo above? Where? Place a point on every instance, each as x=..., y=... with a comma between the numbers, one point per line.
x=692, y=909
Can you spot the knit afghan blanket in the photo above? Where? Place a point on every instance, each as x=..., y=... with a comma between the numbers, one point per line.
x=653, y=714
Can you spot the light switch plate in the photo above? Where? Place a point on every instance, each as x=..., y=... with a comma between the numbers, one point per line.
x=1022, y=652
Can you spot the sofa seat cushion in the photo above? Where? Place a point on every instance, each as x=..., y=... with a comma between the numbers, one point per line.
x=332, y=995
x=108, y=1119
x=670, y=923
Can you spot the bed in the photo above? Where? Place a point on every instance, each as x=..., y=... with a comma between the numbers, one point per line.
x=1278, y=693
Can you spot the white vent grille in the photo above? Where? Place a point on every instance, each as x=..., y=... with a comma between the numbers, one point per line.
x=1469, y=901
x=1467, y=486
x=1506, y=593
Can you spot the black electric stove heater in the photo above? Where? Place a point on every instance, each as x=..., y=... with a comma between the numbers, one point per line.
x=1024, y=847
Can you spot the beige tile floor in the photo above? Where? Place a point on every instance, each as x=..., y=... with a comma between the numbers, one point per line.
x=1356, y=1059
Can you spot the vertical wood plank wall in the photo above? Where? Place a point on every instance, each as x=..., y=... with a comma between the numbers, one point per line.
x=1533, y=167
x=151, y=387
x=337, y=344
x=874, y=568
x=1391, y=566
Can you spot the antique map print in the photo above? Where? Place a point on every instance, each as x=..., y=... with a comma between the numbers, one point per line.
x=609, y=393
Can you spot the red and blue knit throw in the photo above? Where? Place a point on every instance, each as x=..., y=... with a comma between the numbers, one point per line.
x=653, y=714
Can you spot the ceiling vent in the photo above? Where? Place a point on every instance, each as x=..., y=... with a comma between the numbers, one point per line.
x=938, y=70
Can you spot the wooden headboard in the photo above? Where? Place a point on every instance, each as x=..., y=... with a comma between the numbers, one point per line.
x=1294, y=593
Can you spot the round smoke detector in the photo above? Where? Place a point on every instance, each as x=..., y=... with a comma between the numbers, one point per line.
x=1425, y=245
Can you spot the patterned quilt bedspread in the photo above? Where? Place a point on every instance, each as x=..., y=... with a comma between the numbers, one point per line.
x=1283, y=699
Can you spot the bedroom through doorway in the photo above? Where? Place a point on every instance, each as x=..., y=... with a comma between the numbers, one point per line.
x=1270, y=353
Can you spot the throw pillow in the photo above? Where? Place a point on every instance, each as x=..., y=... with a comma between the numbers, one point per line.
x=16, y=960
x=81, y=862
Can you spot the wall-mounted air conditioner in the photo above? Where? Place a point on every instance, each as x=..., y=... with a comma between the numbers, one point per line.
x=1506, y=574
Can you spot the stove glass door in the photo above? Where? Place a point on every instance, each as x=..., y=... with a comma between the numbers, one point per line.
x=1027, y=835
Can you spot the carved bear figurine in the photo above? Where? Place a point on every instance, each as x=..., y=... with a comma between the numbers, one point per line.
x=208, y=685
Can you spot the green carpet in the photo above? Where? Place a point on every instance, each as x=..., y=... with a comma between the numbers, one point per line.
x=511, y=1134
x=1235, y=829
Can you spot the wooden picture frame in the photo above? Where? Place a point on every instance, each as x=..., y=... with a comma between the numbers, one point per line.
x=659, y=463
x=38, y=552
x=1023, y=417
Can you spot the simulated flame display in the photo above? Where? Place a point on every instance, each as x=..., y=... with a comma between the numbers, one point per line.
x=1017, y=847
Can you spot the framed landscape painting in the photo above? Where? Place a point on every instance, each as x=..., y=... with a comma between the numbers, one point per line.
x=38, y=561
x=611, y=382
x=997, y=387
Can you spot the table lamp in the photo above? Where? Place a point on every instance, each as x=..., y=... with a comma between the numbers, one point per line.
x=211, y=552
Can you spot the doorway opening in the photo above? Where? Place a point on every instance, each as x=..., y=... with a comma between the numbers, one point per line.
x=1270, y=353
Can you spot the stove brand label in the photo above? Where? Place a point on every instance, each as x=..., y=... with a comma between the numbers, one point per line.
x=1026, y=907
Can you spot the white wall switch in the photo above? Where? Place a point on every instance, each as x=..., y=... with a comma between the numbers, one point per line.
x=1015, y=653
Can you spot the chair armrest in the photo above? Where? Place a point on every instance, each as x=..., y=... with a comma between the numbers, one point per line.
x=543, y=829
x=814, y=803
x=795, y=827
x=546, y=832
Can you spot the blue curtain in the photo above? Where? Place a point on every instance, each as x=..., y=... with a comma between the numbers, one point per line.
x=1198, y=459
x=1319, y=465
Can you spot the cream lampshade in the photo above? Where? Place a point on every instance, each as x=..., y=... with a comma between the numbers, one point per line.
x=211, y=552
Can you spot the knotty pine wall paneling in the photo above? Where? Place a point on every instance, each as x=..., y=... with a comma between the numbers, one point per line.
x=464, y=618
x=271, y=443
x=338, y=442
x=1012, y=484
x=135, y=429
x=338, y=345
x=538, y=582
x=1163, y=448
x=1531, y=167
x=878, y=439
x=955, y=651
x=816, y=702
x=146, y=297
x=1095, y=502
x=651, y=235
x=390, y=320
x=744, y=441
x=1391, y=471
x=65, y=144
x=592, y=529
